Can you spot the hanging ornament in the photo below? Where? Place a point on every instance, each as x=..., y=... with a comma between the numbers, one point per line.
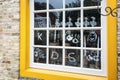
x=93, y=23
x=69, y=23
x=86, y=23
x=78, y=24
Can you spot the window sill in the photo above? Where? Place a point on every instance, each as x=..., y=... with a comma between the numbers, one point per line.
x=56, y=75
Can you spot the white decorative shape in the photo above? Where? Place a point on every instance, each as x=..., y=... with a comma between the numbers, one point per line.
x=75, y=40
x=92, y=56
x=69, y=37
x=69, y=23
x=89, y=58
x=78, y=22
x=86, y=23
x=93, y=23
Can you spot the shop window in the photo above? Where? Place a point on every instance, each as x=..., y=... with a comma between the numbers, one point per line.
x=68, y=37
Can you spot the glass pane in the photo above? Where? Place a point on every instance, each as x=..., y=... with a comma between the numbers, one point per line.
x=72, y=18
x=55, y=56
x=55, y=4
x=39, y=55
x=91, y=3
x=72, y=3
x=56, y=19
x=55, y=37
x=40, y=4
x=92, y=38
x=92, y=59
x=40, y=20
x=72, y=38
x=92, y=18
x=72, y=57
x=40, y=37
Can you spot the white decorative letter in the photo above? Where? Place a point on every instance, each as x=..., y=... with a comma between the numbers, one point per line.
x=71, y=59
x=39, y=36
x=54, y=55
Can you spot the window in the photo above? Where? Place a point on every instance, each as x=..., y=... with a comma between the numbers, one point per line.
x=69, y=37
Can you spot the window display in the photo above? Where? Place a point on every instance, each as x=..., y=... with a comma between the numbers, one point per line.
x=67, y=36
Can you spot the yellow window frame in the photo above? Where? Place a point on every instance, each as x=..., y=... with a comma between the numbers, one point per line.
x=25, y=69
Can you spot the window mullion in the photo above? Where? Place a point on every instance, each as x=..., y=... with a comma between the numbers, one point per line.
x=47, y=33
x=82, y=33
x=63, y=33
x=31, y=33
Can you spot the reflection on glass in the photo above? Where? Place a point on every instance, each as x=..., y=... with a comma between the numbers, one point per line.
x=92, y=59
x=40, y=4
x=40, y=20
x=40, y=37
x=72, y=18
x=55, y=38
x=39, y=55
x=56, y=19
x=92, y=18
x=72, y=3
x=55, y=56
x=91, y=3
x=72, y=38
x=92, y=38
x=55, y=4
x=72, y=57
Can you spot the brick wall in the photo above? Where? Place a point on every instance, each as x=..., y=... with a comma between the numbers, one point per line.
x=9, y=40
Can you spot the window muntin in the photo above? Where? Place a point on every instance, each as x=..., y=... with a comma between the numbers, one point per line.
x=69, y=38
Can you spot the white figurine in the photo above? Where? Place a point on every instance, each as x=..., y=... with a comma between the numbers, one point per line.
x=93, y=23
x=69, y=23
x=86, y=23
x=78, y=22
